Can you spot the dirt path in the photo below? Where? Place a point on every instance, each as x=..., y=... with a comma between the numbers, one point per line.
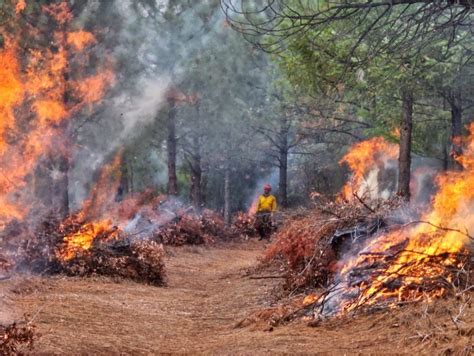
x=208, y=294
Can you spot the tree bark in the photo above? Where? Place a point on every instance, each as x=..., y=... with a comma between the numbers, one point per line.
x=227, y=205
x=196, y=177
x=171, y=148
x=61, y=187
x=404, y=160
x=195, y=165
x=283, y=163
x=456, y=130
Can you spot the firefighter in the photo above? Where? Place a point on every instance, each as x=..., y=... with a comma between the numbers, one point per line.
x=266, y=206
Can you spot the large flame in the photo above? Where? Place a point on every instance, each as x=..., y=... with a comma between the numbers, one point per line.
x=95, y=219
x=101, y=217
x=364, y=158
x=37, y=98
x=400, y=265
x=82, y=239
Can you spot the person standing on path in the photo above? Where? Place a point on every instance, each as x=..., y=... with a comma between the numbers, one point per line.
x=266, y=206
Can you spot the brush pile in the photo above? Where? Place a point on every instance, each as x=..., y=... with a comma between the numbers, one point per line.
x=308, y=246
x=192, y=229
x=79, y=246
x=140, y=261
x=15, y=339
x=243, y=225
x=348, y=256
x=76, y=248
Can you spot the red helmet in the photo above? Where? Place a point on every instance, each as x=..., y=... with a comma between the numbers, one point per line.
x=267, y=187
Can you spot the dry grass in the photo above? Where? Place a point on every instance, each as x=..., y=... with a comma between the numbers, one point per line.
x=208, y=293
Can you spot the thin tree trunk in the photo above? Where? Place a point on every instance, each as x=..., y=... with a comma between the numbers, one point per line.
x=456, y=130
x=283, y=163
x=404, y=160
x=446, y=158
x=196, y=176
x=59, y=161
x=171, y=148
x=62, y=187
x=227, y=207
x=196, y=168
x=204, y=185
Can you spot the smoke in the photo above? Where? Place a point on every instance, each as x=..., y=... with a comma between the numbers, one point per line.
x=133, y=114
x=151, y=55
x=381, y=180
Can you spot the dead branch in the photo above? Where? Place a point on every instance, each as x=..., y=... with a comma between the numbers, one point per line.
x=267, y=277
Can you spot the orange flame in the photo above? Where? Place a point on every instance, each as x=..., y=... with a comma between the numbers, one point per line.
x=20, y=6
x=361, y=159
x=442, y=240
x=34, y=92
x=94, y=220
x=80, y=39
x=253, y=207
x=83, y=239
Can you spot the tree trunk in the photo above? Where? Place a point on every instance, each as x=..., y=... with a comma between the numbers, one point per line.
x=61, y=187
x=404, y=160
x=227, y=206
x=59, y=162
x=204, y=185
x=196, y=176
x=446, y=157
x=456, y=130
x=283, y=163
x=171, y=148
x=196, y=167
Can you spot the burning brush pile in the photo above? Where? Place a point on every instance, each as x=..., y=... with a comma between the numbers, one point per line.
x=119, y=238
x=366, y=254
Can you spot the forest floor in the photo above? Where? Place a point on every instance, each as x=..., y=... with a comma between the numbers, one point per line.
x=208, y=293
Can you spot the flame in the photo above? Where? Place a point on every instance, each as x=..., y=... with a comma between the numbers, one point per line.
x=83, y=239
x=253, y=207
x=80, y=39
x=102, y=197
x=20, y=6
x=11, y=90
x=37, y=99
x=362, y=158
x=60, y=12
x=101, y=217
x=92, y=89
x=94, y=220
x=399, y=265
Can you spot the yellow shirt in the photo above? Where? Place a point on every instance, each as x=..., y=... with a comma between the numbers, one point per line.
x=266, y=204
